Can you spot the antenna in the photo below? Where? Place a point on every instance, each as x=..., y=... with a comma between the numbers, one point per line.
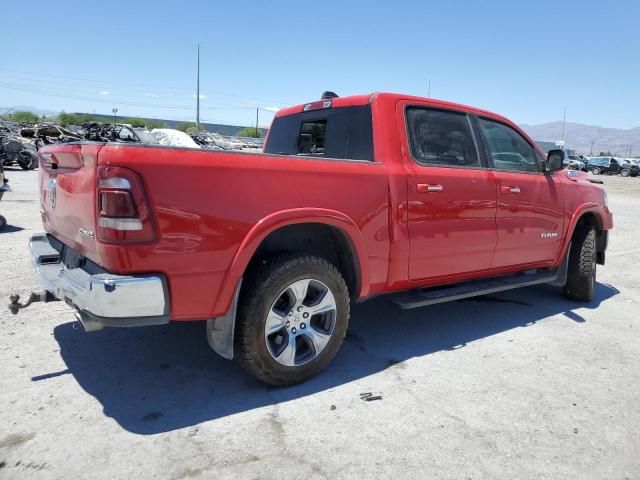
x=198, y=92
x=428, y=87
x=564, y=118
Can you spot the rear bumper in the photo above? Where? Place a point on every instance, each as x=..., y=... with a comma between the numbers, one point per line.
x=101, y=299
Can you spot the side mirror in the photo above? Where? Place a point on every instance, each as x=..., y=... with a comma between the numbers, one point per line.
x=555, y=159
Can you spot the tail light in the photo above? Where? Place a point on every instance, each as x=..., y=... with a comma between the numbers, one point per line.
x=124, y=214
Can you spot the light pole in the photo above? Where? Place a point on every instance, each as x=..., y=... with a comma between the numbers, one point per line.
x=198, y=90
x=115, y=115
x=257, y=134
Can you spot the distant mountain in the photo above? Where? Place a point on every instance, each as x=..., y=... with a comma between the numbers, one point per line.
x=579, y=137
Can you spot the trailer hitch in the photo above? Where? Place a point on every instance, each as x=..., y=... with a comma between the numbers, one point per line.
x=34, y=297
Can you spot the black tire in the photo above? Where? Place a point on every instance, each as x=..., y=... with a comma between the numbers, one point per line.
x=28, y=161
x=596, y=171
x=624, y=172
x=581, y=273
x=262, y=287
x=3, y=222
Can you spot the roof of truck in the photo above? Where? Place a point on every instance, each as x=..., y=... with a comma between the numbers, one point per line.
x=364, y=99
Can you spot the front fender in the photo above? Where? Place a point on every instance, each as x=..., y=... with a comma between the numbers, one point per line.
x=277, y=220
x=603, y=216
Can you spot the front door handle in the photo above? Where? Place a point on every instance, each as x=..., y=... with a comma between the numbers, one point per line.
x=510, y=189
x=425, y=188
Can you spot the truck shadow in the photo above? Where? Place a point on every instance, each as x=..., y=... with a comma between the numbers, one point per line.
x=157, y=379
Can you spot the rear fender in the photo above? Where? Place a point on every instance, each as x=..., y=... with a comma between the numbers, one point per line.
x=284, y=218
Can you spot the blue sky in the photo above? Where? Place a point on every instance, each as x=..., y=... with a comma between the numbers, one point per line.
x=526, y=61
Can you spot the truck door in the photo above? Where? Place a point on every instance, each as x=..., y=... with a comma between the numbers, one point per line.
x=451, y=196
x=530, y=215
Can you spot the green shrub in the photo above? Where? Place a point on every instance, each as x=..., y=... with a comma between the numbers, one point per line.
x=252, y=132
x=22, y=116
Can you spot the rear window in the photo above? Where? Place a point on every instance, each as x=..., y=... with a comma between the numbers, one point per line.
x=342, y=133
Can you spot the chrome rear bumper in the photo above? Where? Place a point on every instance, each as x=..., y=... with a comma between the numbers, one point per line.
x=102, y=299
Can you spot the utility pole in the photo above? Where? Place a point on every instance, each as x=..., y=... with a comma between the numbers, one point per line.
x=591, y=148
x=257, y=134
x=198, y=91
x=564, y=118
x=115, y=115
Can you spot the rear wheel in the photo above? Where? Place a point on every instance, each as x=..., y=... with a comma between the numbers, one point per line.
x=624, y=172
x=581, y=273
x=596, y=171
x=3, y=222
x=292, y=318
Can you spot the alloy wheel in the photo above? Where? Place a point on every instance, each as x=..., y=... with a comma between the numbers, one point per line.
x=300, y=322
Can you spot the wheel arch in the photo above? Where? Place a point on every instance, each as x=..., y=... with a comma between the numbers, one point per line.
x=588, y=214
x=294, y=226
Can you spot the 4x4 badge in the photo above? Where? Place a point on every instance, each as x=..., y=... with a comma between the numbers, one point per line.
x=51, y=192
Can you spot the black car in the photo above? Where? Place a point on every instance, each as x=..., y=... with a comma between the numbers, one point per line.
x=14, y=151
x=612, y=166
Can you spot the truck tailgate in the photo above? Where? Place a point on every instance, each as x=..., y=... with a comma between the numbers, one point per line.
x=68, y=195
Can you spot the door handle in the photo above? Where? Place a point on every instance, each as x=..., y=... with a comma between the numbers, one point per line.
x=510, y=189
x=425, y=188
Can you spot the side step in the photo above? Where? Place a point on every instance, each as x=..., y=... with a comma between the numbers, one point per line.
x=420, y=298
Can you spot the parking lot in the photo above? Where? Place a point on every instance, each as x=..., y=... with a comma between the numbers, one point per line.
x=523, y=384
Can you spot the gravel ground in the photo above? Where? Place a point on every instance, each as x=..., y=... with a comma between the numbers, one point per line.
x=523, y=384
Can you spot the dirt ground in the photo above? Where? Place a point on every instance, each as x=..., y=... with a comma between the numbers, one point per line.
x=524, y=384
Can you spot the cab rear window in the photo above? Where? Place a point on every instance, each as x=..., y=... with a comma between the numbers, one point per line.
x=340, y=133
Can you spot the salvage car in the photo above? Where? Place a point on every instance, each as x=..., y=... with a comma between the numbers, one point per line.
x=422, y=200
x=612, y=166
x=14, y=150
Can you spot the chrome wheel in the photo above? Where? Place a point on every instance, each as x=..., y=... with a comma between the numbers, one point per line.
x=300, y=322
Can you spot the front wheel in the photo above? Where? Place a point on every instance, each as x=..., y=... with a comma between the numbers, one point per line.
x=596, y=171
x=292, y=317
x=581, y=273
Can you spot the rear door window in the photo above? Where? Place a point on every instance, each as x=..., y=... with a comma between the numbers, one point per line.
x=441, y=137
x=340, y=133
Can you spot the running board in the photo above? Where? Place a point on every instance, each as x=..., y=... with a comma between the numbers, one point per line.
x=420, y=298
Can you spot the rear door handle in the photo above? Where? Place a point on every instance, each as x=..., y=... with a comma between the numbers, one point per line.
x=510, y=189
x=425, y=188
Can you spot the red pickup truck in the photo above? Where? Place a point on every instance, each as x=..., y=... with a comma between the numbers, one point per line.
x=424, y=200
